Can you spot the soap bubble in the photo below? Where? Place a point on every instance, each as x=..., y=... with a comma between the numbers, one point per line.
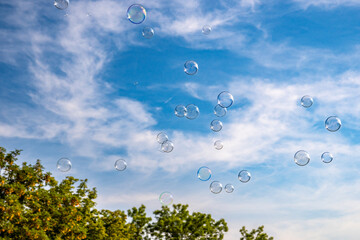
x=332, y=124
x=301, y=158
x=162, y=137
x=225, y=99
x=191, y=67
x=166, y=198
x=244, y=176
x=307, y=101
x=192, y=111
x=327, y=157
x=148, y=32
x=204, y=173
x=206, y=29
x=216, y=125
x=219, y=111
x=180, y=111
x=215, y=187
x=61, y=4
x=136, y=13
x=229, y=188
x=218, y=145
x=63, y=164
x=120, y=165
x=167, y=146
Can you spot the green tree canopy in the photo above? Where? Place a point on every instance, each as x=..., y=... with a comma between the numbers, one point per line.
x=255, y=234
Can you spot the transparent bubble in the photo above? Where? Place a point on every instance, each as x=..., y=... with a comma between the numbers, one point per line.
x=332, y=123
x=120, y=165
x=63, y=164
x=167, y=146
x=225, y=99
x=180, y=111
x=192, y=111
x=206, y=30
x=136, y=13
x=219, y=111
x=301, y=158
x=229, y=188
x=148, y=32
x=307, y=101
x=216, y=125
x=166, y=198
x=191, y=67
x=327, y=157
x=244, y=176
x=61, y=4
x=204, y=173
x=215, y=187
x=218, y=145
x=161, y=138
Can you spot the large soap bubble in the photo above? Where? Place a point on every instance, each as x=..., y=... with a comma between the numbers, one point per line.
x=166, y=198
x=167, y=146
x=206, y=30
x=225, y=99
x=148, y=32
x=192, y=111
x=136, y=13
x=327, y=157
x=63, y=164
x=120, y=165
x=244, y=176
x=161, y=138
x=215, y=187
x=307, y=101
x=191, y=67
x=204, y=173
x=229, y=188
x=332, y=123
x=61, y=4
x=218, y=145
x=180, y=110
x=301, y=158
x=216, y=125
x=219, y=111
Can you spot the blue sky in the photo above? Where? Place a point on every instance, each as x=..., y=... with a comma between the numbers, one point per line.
x=67, y=90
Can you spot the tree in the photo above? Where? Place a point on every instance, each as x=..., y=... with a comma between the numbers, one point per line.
x=255, y=234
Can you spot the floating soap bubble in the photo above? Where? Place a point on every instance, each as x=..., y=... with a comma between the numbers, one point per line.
x=180, y=111
x=148, y=32
x=327, y=157
x=229, y=188
x=219, y=111
x=332, y=124
x=161, y=138
x=63, y=164
x=192, y=111
x=61, y=4
x=301, y=158
x=206, y=30
x=216, y=125
x=120, y=165
x=225, y=99
x=307, y=101
x=167, y=146
x=166, y=198
x=191, y=67
x=204, y=173
x=215, y=187
x=136, y=13
x=244, y=176
x=218, y=145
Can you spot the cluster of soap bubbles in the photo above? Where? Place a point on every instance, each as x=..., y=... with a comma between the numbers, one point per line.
x=191, y=111
x=136, y=14
x=166, y=145
x=302, y=157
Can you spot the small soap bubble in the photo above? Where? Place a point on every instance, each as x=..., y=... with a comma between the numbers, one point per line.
x=215, y=187
x=327, y=157
x=166, y=198
x=332, y=123
x=192, y=111
x=148, y=32
x=191, y=67
x=120, y=165
x=206, y=30
x=161, y=138
x=307, y=101
x=136, y=13
x=204, y=173
x=216, y=125
x=219, y=111
x=180, y=111
x=225, y=99
x=64, y=164
x=61, y=4
x=244, y=176
x=218, y=145
x=167, y=146
x=301, y=158
x=229, y=188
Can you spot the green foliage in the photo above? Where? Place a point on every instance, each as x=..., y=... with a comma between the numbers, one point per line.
x=255, y=234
